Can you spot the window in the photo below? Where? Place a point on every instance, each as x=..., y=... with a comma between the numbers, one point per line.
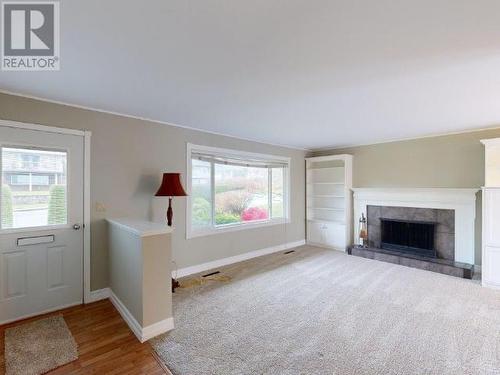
x=40, y=180
x=30, y=161
x=232, y=190
x=241, y=194
x=20, y=179
x=28, y=179
x=30, y=198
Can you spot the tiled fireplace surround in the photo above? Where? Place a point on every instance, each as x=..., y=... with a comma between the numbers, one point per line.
x=444, y=237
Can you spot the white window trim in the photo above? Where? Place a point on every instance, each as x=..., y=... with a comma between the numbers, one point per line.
x=237, y=226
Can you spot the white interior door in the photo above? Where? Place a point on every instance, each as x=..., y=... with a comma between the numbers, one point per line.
x=41, y=222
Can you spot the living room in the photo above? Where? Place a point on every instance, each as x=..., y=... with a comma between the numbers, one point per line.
x=238, y=188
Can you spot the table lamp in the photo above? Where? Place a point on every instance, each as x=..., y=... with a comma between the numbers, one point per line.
x=170, y=187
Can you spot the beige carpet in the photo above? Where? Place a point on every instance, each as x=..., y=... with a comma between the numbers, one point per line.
x=37, y=347
x=323, y=312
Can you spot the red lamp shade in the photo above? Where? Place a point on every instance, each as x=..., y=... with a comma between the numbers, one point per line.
x=171, y=186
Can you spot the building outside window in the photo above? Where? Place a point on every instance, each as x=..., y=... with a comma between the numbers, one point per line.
x=33, y=188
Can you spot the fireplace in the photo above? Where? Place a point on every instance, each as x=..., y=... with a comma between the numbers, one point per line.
x=425, y=232
x=450, y=213
x=413, y=237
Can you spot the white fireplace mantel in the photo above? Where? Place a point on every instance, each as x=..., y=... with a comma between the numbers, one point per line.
x=463, y=201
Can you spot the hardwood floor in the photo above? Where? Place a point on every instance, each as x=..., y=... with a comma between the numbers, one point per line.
x=105, y=343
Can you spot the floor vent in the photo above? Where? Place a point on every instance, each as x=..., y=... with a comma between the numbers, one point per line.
x=211, y=274
x=289, y=251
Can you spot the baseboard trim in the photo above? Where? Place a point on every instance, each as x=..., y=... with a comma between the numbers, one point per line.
x=133, y=324
x=490, y=286
x=142, y=333
x=98, y=295
x=234, y=259
x=157, y=329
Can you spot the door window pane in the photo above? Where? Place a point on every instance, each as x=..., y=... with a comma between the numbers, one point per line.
x=241, y=194
x=201, y=194
x=33, y=188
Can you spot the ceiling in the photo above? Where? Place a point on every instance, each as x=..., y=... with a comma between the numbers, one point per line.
x=304, y=73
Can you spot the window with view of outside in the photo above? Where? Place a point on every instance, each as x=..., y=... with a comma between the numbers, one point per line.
x=277, y=190
x=226, y=194
x=241, y=194
x=33, y=188
x=201, y=193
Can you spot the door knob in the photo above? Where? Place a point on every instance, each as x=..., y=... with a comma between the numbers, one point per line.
x=76, y=226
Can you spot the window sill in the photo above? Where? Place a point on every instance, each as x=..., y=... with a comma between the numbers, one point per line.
x=236, y=227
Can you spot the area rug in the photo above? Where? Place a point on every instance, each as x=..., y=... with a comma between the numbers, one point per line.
x=200, y=280
x=318, y=311
x=38, y=347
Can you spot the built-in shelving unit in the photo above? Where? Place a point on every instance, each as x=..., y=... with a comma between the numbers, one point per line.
x=328, y=197
x=491, y=215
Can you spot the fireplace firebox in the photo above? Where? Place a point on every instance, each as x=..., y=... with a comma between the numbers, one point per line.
x=414, y=237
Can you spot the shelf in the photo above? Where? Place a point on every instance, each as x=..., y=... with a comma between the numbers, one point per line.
x=326, y=196
x=323, y=169
x=341, y=222
x=326, y=208
x=326, y=183
x=328, y=200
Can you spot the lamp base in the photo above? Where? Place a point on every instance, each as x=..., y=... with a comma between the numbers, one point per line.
x=170, y=212
x=175, y=284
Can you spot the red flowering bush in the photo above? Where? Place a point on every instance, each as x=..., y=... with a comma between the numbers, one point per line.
x=254, y=213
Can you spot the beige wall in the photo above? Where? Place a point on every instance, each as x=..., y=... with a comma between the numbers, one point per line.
x=128, y=157
x=126, y=269
x=139, y=273
x=156, y=283
x=451, y=161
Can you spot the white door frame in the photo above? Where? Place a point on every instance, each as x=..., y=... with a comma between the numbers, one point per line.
x=86, y=189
